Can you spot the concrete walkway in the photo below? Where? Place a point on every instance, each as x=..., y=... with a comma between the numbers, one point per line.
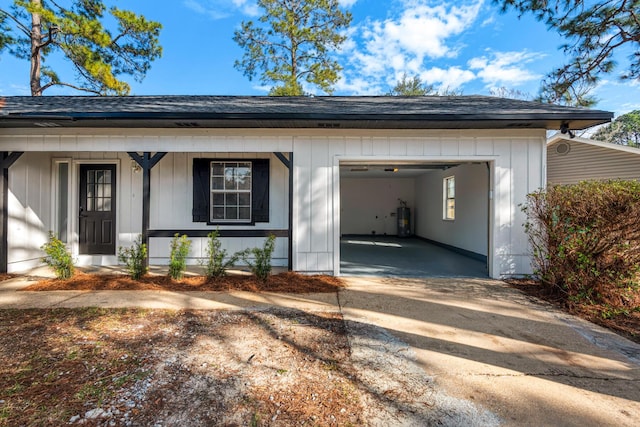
x=481, y=341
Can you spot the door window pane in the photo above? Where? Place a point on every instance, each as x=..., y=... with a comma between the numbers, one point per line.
x=99, y=190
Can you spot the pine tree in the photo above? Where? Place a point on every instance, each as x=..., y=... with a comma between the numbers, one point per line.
x=624, y=130
x=411, y=87
x=291, y=44
x=36, y=29
x=596, y=31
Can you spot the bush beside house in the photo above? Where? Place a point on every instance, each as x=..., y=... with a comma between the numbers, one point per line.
x=585, y=241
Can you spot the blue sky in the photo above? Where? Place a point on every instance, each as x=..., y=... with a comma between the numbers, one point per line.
x=465, y=45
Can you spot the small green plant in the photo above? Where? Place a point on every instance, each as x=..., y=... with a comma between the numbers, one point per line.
x=58, y=257
x=134, y=258
x=215, y=264
x=178, y=259
x=259, y=259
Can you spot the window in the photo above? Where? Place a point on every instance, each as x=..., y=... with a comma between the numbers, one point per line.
x=61, y=182
x=230, y=191
x=449, y=192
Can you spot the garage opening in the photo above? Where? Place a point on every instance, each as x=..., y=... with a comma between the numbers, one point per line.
x=414, y=219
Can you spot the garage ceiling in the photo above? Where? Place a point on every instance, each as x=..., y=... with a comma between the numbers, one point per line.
x=390, y=169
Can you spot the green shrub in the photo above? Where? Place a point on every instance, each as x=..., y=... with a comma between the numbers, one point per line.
x=134, y=258
x=585, y=240
x=178, y=259
x=259, y=259
x=215, y=264
x=58, y=257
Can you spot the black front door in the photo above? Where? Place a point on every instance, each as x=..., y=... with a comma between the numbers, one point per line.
x=97, y=209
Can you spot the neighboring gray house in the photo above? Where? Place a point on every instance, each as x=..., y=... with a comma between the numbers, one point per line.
x=101, y=170
x=571, y=160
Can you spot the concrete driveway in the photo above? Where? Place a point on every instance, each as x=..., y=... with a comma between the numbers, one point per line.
x=512, y=355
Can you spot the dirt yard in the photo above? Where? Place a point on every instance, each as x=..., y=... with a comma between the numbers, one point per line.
x=140, y=367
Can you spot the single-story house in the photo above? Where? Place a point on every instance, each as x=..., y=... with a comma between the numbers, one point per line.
x=571, y=160
x=99, y=171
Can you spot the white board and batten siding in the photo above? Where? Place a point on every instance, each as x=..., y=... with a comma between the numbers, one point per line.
x=517, y=168
x=171, y=204
x=32, y=199
x=516, y=159
x=570, y=161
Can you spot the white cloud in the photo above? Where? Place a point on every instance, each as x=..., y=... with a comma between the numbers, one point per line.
x=359, y=86
x=247, y=7
x=505, y=68
x=421, y=31
x=347, y=3
x=220, y=9
x=447, y=79
x=382, y=50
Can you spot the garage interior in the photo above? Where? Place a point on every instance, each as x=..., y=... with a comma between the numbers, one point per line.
x=378, y=238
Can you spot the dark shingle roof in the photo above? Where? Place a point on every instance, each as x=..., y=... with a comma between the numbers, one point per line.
x=381, y=112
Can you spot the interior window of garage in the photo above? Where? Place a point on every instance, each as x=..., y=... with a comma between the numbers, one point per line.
x=230, y=192
x=449, y=188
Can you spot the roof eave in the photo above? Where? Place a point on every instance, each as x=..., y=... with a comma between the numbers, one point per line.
x=302, y=120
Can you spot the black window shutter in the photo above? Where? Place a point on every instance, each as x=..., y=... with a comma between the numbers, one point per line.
x=201, y=192
x=260, y=190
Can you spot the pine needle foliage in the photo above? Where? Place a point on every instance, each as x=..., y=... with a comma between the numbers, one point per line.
x=598, y=34
x=291, y=44
x=101, y=43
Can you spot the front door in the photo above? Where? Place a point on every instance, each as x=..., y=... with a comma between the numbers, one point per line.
x=97, y=209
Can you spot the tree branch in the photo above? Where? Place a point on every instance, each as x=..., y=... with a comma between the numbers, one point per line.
x=25, y=29
x=82, y=89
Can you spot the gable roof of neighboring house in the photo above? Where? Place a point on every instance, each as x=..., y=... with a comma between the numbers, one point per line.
x=350, y=112
x=558, y=137
x=571, y=160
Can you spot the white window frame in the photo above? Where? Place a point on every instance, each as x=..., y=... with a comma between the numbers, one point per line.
x=448, y=210
x=224, y=192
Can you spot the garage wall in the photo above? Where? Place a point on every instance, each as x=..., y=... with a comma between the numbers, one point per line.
x=369, y=204
x=469, y=230
x=517, y=164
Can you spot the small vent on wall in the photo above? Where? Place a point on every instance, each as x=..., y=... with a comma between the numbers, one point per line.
x=562, y=148
x=187, y=124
